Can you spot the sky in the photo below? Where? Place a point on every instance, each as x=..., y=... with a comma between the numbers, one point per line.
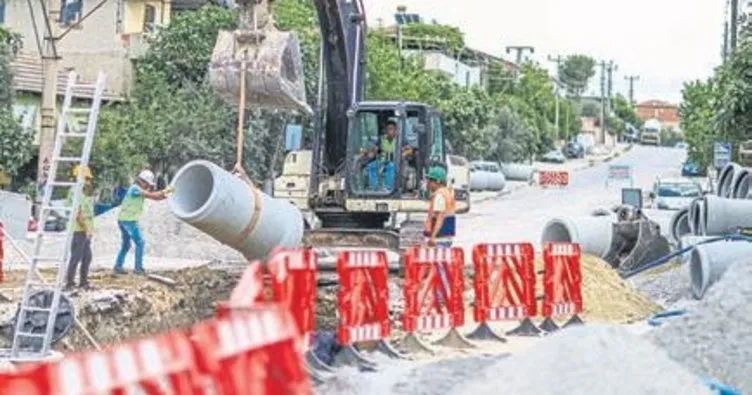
x=665, y=42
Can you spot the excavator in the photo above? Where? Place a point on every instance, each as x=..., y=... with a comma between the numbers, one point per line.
x=354, y=204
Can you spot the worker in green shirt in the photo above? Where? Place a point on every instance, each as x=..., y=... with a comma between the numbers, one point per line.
x=131, y=210
x=83, y=229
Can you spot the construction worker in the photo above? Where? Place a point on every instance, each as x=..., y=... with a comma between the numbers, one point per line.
x=131, y=210
x=83, y=229
x=385, y=162
x=440, y=223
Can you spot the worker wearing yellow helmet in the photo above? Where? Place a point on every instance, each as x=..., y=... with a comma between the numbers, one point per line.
x=131, y=210
x=83, y=230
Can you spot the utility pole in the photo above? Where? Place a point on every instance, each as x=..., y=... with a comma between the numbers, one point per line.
x=631, y=79
x=734, y=21
x=558, y=60
x=50, y=60
x=724, y=54
x=603, y=65
x=520, y=49
x=610, y=85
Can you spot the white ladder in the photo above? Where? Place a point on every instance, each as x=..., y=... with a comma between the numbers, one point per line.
x=65, y=130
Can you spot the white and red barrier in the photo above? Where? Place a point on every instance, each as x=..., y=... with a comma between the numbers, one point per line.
x=553, y=178
x=433, y=291
x=562, y=284
x=504, y=286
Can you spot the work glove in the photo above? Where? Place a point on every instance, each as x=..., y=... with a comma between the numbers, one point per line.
x=169, y=190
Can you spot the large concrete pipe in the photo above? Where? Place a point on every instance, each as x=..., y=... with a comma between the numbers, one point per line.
x=709, y=261
x=517, y=171
x=696, y=215
x=723, y=216
x=741, y=184
x=688, y=241
x=223, y=206
x=725, y=179
x=594, y=234
x=679, y=225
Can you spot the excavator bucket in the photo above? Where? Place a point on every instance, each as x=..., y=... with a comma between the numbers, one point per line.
x=636, y=243
x=273, y=72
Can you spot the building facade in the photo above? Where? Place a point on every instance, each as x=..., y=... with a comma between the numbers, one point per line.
x=666, y=113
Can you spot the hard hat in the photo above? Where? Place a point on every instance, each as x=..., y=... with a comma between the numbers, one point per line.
x=147, y=176
x=437, y=173
x=87, y=171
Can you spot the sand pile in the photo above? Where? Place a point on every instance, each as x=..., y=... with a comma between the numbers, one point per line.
x=587, y=360
x=607, y=298
x=714, y=338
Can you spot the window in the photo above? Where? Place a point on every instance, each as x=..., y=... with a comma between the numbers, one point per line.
x=371, y=172
x=2, y=11
x=150, y=18
x=437, y=139
x=70, y=12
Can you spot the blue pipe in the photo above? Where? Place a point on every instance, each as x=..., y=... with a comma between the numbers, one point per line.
x=665, y=259
x=657, y=318
x=722, y=389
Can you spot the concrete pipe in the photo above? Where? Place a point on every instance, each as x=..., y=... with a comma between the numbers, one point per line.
x=223, y=206
x=688, y=241
x=709, y=261
x=726, y=178
x=517, y=171
x=594, y=234
x=679, y=225
x=723, y=216
x=741, y=184
x=695, y=217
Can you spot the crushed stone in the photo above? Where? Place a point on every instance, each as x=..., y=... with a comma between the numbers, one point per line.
x=595, y=359
x=666, y=287
x=714, y=337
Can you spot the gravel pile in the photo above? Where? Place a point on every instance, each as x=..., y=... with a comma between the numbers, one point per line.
x=665, y=287
x=587, y=360
x=714, y=339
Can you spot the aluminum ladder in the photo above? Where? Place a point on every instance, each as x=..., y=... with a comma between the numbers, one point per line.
x=66, y=129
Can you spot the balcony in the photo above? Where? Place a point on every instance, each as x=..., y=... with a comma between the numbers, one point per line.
x=459, y=72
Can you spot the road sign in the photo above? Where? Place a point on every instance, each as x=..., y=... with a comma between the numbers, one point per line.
x=619, y=173
x=721, y=154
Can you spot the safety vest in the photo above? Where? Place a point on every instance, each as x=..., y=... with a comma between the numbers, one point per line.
x=132, y=206
x=448, y=229
x=87, y=207
x=387, y=149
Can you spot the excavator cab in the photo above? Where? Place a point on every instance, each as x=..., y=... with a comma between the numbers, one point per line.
x=390, y=146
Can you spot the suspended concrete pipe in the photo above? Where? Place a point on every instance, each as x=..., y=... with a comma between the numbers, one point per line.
x=709, y=261
x=726, y=178
x=741, y=184
x=679, y=225
x=517, y=171
x=723, y=216
x=593, y=233
x=223, y=206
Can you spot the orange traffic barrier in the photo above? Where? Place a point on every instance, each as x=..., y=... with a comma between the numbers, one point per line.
x=551, y=178
x=562, y=284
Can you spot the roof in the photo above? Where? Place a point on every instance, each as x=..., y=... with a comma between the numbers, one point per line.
x=28, y=77
x=656, y=103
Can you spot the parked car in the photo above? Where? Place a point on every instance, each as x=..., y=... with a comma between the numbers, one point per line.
x=691, y=168
x=574, y=150
x=675, y=193
x=681, y=145
x=554, y=156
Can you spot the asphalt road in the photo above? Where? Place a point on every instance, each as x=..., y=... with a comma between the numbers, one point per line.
x=521, y=215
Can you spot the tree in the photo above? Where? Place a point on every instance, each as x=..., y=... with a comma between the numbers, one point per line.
x=696, y=114
x=624, y=110
x=15, y=143
x=576, y=72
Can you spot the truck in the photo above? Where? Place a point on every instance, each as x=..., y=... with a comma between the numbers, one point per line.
x=651, y=133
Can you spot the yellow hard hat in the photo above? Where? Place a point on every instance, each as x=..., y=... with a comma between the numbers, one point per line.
x=87, y=172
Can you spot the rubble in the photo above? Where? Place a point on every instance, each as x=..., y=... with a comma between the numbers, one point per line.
x=713, y=338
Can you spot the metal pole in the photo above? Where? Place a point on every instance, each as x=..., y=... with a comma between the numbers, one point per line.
x=603, y=102
x=734, y=23
x=50, y=60
x=631, y=79
x=558, y=60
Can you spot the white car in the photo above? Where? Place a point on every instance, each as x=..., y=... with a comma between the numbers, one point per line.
x=675, y=193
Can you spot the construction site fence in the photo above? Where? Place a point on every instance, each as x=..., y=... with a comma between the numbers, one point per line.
x=261, y=339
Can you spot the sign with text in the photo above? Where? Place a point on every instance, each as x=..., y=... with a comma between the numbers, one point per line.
x=721, y=154
x=619, y=173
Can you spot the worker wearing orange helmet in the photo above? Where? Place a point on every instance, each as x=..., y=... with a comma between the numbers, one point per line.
x=83, y=230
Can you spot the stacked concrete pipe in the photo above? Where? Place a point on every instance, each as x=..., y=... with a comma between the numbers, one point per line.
x=226, y=208
x=517, y=171
x=593, y=233
x=723, y=216
x=709, y=262
x=740, y=186
x=695, y=217
x=679, y=225
x=726, y=179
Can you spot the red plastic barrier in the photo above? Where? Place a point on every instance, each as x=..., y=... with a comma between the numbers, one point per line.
x=550, y=178
x=294, y=284
x=504, y=282
x=362, y=301
x=248, y=292
x=562, y=280
x=425, y=289
x=253, y=351
x=2, y=252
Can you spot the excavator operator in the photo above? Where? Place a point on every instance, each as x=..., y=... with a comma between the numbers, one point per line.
x=385, y=163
